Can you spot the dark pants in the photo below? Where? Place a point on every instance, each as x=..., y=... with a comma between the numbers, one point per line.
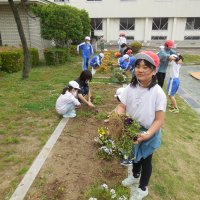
x=161, y=78
x=143, y=167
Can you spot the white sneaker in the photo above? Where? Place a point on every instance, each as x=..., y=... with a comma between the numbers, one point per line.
x=139, y=194
x=70, y=115
x=128, y=182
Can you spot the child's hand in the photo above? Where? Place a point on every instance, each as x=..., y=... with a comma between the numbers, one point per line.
x=91, y=105
x=142, y=137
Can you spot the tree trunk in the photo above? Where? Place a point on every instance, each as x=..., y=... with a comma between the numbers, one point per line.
x=26, y=67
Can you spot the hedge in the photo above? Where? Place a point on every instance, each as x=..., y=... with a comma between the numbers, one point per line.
x=12, y=61
x=56, y=56
x=0, y=62
x=34, y=57
x=73, y=50
x=136, y=46
x=11, y=58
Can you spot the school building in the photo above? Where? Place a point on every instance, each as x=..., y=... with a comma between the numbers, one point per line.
x=8, y=29
x=148, y=21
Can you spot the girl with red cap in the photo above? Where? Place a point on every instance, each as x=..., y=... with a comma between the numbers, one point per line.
x=164, y=61
x=144, y=100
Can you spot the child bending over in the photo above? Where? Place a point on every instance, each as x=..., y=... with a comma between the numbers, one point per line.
x=67, y=101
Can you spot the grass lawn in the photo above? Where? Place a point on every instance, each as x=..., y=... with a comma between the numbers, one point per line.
x=191, y=59
x=28, y=118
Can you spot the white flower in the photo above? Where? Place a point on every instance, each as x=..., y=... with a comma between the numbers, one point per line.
x=104, y=186
x=96, y=139
x=112, y=191
x=113, y=196
x=92, y=198
x=122, y=198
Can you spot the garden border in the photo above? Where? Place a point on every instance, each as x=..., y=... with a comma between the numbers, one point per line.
x=30, y=176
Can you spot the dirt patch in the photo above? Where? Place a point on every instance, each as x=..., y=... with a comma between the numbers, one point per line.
x=73, y=164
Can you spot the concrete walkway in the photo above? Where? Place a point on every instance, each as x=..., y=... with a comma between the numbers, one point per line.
x=190, y=87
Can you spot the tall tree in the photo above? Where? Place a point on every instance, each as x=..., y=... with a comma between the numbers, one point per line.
x=26, y=67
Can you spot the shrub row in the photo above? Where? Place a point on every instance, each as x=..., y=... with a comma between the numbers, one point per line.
x=56, y=56
x=136, y=46
x=11, y=59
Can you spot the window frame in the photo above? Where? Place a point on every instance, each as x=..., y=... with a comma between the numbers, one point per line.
x=158, y=37
x=1, y=42
x=128, y=25
x=192, y=37
x=191, y=25
x=96, y=27
x=94, y=0
x=162, y=25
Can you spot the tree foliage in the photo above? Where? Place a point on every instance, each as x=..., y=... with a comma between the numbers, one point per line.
x=62, y=23
x=85, y=19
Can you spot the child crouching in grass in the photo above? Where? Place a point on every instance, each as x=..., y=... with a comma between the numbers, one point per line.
x=174, y=81
x=67, y=101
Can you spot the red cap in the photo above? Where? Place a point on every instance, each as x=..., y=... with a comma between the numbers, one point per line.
x=117, y=54
x=122, y=34
x=129, y=52
x=169, y=43
x=149, y=56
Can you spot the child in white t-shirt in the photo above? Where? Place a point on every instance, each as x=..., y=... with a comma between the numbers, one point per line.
x=67, y=101
x=144, y=100
x=174, y=81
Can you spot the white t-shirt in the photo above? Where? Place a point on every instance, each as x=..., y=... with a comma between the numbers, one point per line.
x=174, y=69
x=142, y=103
x=65, y=99
x=122, y=40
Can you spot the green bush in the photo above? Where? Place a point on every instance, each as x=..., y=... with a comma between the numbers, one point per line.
x=56, y=56
x=136, y=46
x=34, y=57
x=118, y=76
x=0, y=62
x=73, y=50
x=12, y=61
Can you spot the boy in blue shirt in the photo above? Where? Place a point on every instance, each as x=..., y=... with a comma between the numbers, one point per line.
x=96, y=62
x=87, y=51
x=124, y=62
x=164, y=61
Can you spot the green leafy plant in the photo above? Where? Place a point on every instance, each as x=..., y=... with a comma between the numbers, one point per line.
x=103, y=192
x=34, y=57
x=62, y=24
x=122, y=146
x=136, y=46
x=55, y=56
x=12, y=61
x=118, y=76
x=97, y=100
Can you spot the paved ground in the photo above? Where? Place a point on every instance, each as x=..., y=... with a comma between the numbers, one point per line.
x=190, y=87
x=194, y=51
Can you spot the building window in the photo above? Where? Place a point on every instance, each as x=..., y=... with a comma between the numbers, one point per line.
x=1, y=43
x=97, y=23
x=193, y=23
x=61, y=0
x=192, y=38
x=127, y=24
x=130, y=37
x=160, y=24
x=158, y=37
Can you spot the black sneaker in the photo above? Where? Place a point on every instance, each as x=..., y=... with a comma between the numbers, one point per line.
x=126, y=162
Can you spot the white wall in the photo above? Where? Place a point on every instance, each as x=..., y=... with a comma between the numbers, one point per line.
x=8, y=27
x=143, y=11
x=139, y=8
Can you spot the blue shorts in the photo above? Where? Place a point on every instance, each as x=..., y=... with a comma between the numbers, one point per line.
x=173, y=86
